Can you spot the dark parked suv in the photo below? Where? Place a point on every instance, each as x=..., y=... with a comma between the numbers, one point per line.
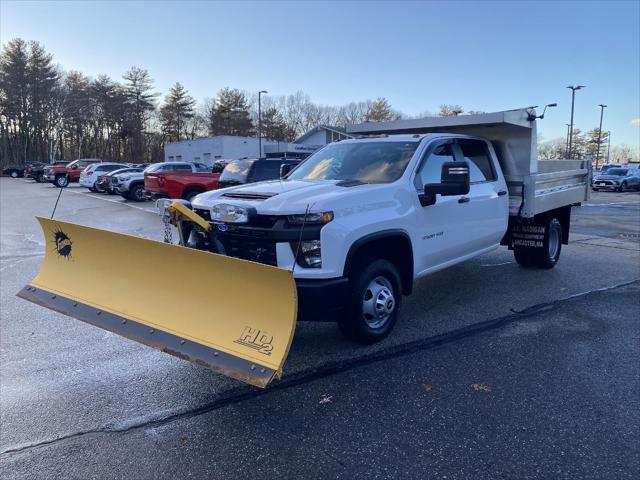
x=250, y=170
x=36, y=170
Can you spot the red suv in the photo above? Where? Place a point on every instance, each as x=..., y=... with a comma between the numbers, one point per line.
x=61, y=176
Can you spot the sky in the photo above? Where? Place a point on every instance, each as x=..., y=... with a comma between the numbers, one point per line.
x=486, y=56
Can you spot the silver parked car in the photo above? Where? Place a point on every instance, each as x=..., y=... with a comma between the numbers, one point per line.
x=618, y=179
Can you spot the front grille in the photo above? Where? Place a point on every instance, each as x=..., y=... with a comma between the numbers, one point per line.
x=250, y=248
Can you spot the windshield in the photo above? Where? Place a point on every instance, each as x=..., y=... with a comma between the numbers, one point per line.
x=618, y=172
x=236, y=172
x=368, y=162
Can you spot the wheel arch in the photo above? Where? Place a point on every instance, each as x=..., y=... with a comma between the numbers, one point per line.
x=393, y=245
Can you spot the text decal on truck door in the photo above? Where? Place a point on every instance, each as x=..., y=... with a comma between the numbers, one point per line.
x=256, y=339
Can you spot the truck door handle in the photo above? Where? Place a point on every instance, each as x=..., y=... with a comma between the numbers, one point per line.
x=502, y=192
x=464, y=200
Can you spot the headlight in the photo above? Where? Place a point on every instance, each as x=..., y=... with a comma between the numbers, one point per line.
x=124, y=178
x=309, y=253
x=311, y=218
x=229, y=213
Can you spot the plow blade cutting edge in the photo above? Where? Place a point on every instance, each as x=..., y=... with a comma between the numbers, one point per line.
x=233, y=316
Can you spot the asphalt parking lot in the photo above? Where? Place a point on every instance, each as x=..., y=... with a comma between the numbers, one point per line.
x=493, y=371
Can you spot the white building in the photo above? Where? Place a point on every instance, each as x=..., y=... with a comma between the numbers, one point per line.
x=322, y=135
x=208, y=150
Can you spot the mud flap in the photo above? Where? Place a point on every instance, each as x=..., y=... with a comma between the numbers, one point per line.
x=234, y=316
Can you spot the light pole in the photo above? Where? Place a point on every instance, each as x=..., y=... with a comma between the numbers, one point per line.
x=602, y=107
x=608, y=144
x=260, y=123
x=566, y=143
x=573, y=100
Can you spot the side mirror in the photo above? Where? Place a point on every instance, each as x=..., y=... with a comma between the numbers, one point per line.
x=285, y=168
x=454, y=180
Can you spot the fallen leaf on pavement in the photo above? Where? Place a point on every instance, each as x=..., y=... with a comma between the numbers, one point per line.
x=479, y=387
x=427, y=387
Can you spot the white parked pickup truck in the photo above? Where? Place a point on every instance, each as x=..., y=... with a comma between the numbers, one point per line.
x=360, y=220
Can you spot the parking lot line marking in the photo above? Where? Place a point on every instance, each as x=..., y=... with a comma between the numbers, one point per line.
x=148, y=210
x=613, y=204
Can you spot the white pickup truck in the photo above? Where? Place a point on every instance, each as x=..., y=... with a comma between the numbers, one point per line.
x=360, y=220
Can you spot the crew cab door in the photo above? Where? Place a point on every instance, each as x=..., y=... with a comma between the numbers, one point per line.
x=458, y=226
x=488, y=203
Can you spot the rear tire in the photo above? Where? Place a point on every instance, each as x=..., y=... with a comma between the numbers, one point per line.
x=374, y=302
x=61, y=181
x=547, y=256
x=14, y=174
x=190, y=194
x=40, y=178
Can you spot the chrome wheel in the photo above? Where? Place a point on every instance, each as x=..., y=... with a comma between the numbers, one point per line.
x=378, y=302
x=554, y=242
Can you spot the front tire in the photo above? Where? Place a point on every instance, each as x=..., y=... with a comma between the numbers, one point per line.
x=14, y=174
x=137, y=193
x=547, y=256
x=623, y=187
x=62, y=181
x=374, y=302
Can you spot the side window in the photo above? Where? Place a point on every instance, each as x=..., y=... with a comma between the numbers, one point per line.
x=183, y=168
x=477, y=156
x=431, y=170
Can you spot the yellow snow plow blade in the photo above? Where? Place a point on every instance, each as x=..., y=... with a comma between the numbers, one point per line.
x=233, y=316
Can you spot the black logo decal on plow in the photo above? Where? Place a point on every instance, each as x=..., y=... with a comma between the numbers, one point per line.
x=256, y=339
x=63, y=243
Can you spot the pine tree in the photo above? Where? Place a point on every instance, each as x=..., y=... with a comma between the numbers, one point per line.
x=177, y=110
x=274, y=127
x=14, y=115
x=230, y=114
x=141, y=102
x=379, y=111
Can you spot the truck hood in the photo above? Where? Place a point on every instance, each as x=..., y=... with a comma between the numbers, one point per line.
x=285, y=196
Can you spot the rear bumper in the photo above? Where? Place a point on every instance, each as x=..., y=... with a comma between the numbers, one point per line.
x=322, y=300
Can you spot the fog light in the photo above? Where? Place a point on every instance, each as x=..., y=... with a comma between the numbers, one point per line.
x=309, y=253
